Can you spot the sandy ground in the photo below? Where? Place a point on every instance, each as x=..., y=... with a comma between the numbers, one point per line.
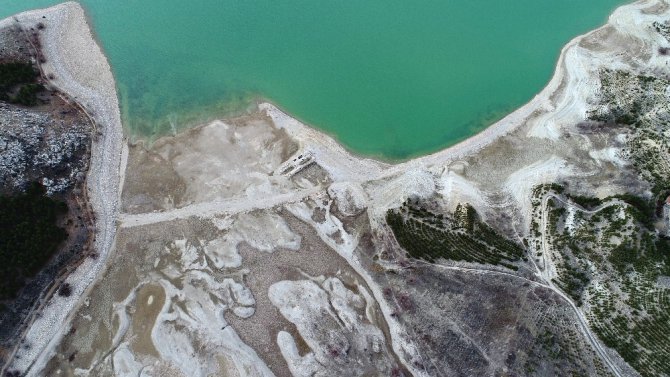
x=495, y=169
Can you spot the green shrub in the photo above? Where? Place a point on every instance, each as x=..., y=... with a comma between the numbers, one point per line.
x=27, y=95
x=12, y=74
x=29, y=236
x=469, y=239
x=22, y=76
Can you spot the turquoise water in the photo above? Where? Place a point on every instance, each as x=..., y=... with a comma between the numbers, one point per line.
x=388, y=78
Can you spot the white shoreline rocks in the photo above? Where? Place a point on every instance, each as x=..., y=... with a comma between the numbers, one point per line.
x=80, y=69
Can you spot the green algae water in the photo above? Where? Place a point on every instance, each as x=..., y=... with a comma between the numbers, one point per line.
x=388, y=78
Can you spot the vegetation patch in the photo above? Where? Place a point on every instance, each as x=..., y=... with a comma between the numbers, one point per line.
x=18, y=84
x=608, y=254
x=663, y=29
x=29, y=236
x=612, y=259
x=641, y=103
x=460, y=236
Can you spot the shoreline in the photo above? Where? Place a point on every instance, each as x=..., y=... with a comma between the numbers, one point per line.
x=509, y=123
x=141, y=125
x=207, y=117
x=542, y=101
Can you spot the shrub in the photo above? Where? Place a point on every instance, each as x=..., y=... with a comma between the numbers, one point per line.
x=29, y=236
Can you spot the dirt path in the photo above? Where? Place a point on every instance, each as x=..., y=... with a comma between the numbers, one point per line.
x=209, y=209
x=583, y=324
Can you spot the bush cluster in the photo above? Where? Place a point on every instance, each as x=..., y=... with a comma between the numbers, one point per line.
x=425, y=235
x=29, y=236
x=21, y=77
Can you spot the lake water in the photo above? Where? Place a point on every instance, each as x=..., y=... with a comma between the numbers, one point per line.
x=388, y=78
